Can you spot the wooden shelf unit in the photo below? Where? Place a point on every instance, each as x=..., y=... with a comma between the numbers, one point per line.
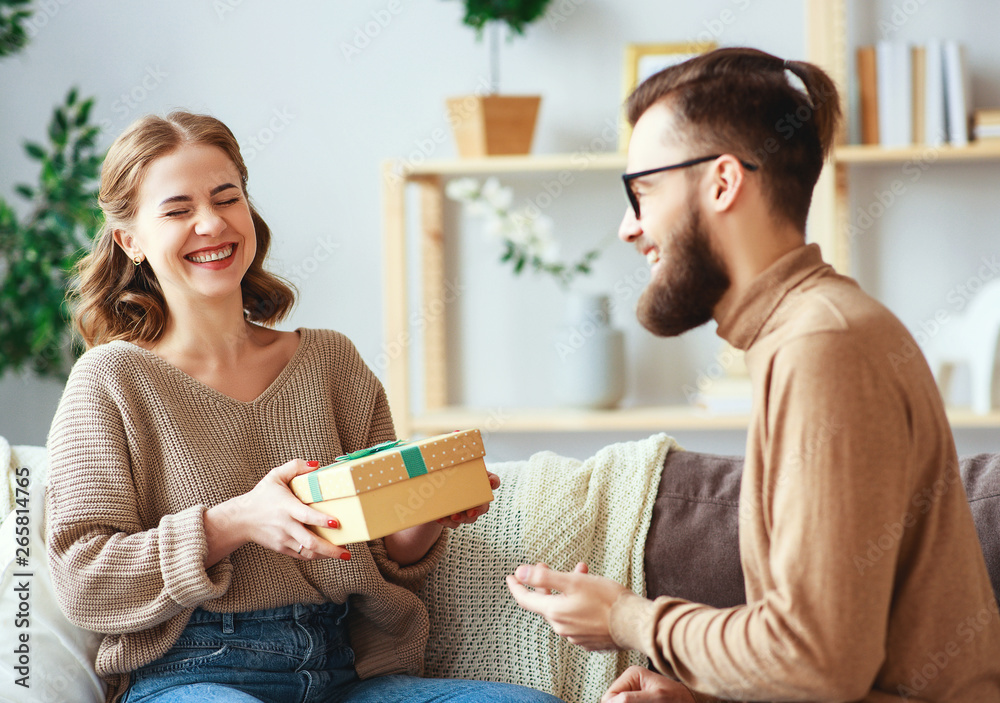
x=644, y=419
x=639, y=419
x=828, y=46
x=429, y=178
x=828, y=225
x=873, y=154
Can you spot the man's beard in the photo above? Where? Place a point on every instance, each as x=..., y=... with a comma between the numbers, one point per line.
x=691, y=282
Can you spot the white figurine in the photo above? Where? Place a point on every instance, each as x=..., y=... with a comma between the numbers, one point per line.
x=970, y=338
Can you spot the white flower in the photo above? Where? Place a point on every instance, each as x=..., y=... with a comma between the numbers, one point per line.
x=501, y=228
x=497, y=195
x=480, y=208
x=542, y=243
x=543, y=227
x=522, y=228
x=528, y=231
x=545, y=249
x=462, y=189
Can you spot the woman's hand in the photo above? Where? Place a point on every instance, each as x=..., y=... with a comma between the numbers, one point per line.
x=411, y=545
x=472, y=514
x=270, y=515
x=640, y=685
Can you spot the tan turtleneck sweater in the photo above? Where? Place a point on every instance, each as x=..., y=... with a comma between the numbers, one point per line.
x=865, y=579
x=139, y=450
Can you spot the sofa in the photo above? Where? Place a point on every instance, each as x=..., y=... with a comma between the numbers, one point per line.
x=691, y=551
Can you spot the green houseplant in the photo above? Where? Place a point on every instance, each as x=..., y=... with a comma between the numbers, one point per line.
x=38, y=251
x=13, y=15
x=516, y=14
x=487, y=124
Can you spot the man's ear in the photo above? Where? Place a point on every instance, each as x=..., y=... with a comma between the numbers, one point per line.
x=127, y=242
x=727, y=181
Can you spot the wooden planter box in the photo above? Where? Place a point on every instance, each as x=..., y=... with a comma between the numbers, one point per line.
x=491, y=125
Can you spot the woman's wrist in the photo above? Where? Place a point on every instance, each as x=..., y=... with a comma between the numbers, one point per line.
x=412, y=544
x=224, y=532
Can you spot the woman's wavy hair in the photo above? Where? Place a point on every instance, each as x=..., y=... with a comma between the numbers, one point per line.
x=114, y=299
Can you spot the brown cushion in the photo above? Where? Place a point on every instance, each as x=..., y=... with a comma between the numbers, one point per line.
x=692, y=549
x=981, y=476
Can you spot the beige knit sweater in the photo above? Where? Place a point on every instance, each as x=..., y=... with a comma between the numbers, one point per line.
x=865, y=579
x=139, y=450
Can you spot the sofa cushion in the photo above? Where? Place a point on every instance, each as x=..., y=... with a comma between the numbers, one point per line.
x=59, y=663
x=692, y=548
x=981, y=476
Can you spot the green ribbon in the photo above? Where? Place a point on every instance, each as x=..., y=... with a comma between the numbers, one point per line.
x=413, y=460
x=314, y=491
x=371, y=450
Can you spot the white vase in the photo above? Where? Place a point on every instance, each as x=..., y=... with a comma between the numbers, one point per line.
x=589, y=363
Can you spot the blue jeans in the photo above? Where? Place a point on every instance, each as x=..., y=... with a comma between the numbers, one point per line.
x=296, y=654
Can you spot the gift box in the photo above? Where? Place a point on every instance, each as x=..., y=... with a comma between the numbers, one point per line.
x=389, y=487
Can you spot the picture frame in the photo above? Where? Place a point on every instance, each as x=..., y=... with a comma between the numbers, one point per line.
x=643, y=60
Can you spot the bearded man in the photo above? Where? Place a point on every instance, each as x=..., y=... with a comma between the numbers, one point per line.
x=844, y=443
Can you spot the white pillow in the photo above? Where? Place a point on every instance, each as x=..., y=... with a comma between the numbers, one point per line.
x=59, y=658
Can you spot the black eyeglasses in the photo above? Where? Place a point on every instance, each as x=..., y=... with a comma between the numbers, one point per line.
x=627, y=178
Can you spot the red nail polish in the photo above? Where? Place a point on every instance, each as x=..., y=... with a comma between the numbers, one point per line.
x=312, y=464
x=333, y=524
x=346, y=556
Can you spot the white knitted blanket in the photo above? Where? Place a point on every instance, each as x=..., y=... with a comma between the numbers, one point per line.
x=555, y=510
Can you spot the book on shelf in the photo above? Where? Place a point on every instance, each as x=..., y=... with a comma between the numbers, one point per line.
x=919, y=78
x=894, y=84
x=914, y=94
x=987, y=116
x=868, y=93
x=986, y=123
x=987, y=132
x=726, y=396
x=935, y=119
x=958, y=89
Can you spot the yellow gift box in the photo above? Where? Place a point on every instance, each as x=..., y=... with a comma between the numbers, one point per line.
x=389, y=487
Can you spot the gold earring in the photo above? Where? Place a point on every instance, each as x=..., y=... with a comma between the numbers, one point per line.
x=137, y=260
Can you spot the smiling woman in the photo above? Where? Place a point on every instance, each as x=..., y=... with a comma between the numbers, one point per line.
x=181, y=235
x=152, y=156
x=171, y=526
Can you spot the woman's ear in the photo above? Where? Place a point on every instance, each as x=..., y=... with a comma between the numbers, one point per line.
x=127, y=243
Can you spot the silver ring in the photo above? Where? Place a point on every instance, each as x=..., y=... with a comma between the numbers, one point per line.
x=300, y=548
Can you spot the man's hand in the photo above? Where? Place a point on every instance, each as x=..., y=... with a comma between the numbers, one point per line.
x=581, y=610
x=640, y=685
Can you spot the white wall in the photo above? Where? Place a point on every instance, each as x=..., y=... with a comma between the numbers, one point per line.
x=316, y=121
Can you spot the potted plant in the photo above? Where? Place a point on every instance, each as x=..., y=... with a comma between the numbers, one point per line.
x=39, y=248
x=493, y=124
x=38, y=251
x=13, y=15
